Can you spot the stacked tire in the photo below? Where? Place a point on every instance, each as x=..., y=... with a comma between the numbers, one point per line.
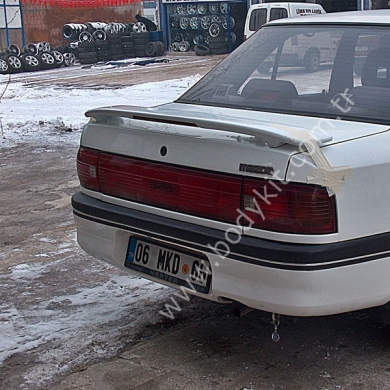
x=154, y=49
x=87, y=52
x=102, y=51
x=73, y=30
x=115, y=48
x=140, y=40
x=100, y=42
x=218, y=45
x=34, y=57
x=127, y=45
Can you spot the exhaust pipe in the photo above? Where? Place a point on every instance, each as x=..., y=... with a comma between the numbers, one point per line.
x=240, y=310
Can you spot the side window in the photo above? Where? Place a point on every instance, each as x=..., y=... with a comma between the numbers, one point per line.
x=258, y=18
x=278, y=13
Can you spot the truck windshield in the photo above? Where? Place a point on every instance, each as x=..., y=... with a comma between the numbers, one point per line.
x=327, y=71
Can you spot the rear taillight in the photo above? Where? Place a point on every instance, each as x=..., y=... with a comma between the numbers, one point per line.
x=289, y=208
x=87, y=168
x=204, y=194
x=267, y=205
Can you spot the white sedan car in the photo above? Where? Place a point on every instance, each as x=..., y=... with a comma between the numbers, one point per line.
x=266, y=183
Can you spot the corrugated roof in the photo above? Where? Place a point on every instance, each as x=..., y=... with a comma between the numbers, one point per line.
x=81, y=3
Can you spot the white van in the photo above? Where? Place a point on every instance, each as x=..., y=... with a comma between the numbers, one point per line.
x=259, y=14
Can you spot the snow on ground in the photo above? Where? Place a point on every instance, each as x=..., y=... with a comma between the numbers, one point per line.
x=31, y=114
x=81, y=325
x=89, y=321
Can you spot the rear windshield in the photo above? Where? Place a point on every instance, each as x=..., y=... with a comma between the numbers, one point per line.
x=326, y=71
x=277, y=13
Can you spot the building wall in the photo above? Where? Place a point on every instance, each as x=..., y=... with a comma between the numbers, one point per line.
x=338, y=5
x=43, y=23
x=380, y=4
x=14, y=36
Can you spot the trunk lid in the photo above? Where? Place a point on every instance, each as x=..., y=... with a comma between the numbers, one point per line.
x=213, y=138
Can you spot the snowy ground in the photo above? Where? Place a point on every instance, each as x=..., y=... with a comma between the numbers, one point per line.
x=87, y=316
x=79, y=325
x=30, y=114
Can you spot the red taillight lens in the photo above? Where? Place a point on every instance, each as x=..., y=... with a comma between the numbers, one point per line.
x=87, y=168
x=204, y=194
x=286, y=208
x=289, y=208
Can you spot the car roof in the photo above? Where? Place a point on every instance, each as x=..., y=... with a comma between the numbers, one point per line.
x=354, y=17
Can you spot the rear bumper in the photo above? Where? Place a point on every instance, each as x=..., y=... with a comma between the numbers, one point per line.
x=291, y=279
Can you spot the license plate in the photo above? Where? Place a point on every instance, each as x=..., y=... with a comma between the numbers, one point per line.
x=163, y=262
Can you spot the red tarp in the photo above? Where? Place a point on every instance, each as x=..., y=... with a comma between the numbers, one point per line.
x=81, y=3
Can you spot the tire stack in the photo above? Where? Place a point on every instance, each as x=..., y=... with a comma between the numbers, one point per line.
x=100, y=42
x=148, y=43
x=154, y=49
x=73, y=30
x=140, y=40
x=90, y=43
x=218, y=45
x=114, y=32
x=87, y=52
x=97, y=41
x=115, y=48
x=33, y=57
x=102, y=51
x=127, y=46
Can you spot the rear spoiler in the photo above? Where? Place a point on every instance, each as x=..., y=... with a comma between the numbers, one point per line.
x=273, y=134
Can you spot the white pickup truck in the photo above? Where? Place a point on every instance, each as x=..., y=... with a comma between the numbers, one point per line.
x=259, y=14
x=271, y=190
x=311, y=51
